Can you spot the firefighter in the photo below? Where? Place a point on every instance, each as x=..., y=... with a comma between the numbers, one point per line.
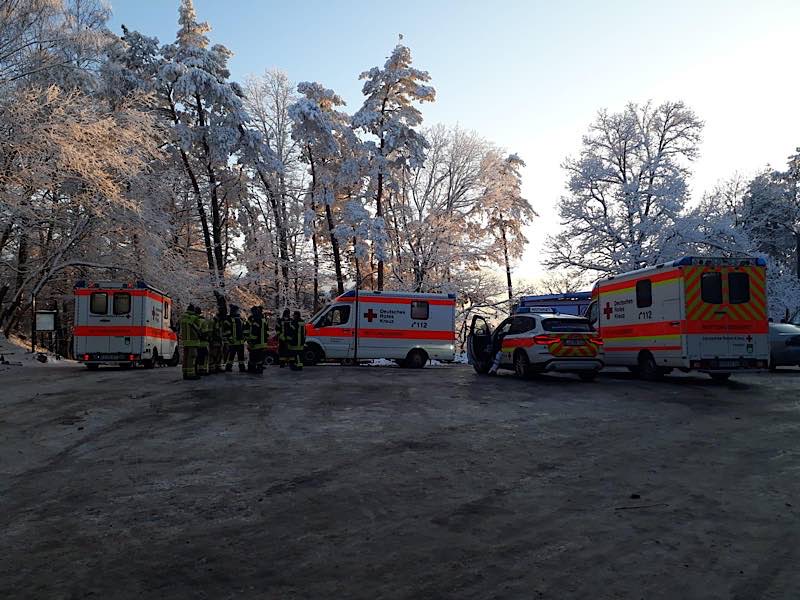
x=281, y=328
x=216, y=341
x=235, y=332
x=190, y=339
x=203, y=348
x=257, y=337
x=296, y=340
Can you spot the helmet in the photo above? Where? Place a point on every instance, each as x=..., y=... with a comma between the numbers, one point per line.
x=191, y=308
x=286, y=313
x=296, y=315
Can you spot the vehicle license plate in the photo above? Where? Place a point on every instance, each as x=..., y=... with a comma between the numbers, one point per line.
x=574, y=343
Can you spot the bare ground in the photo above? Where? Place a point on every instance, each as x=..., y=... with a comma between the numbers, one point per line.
x=388, y=483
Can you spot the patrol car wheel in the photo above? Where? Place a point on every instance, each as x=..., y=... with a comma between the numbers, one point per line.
x=416, y=359
x=522, y=366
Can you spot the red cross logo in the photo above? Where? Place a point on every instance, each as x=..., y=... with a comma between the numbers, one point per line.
x=749, y=338
x=608, y=311
x=370, y=314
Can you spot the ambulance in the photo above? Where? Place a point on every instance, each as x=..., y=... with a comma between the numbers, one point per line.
x=410, y=328
x=127, y=324
x=695, y=313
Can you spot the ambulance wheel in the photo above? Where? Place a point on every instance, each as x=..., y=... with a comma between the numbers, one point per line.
x=416, y=359
x=151, y=362
x=270, y=358
x=522, y=366
x=720, y=376
x=312, y=354
x=92, y=366
x=648, y=369
x=481, y=368
x=176, y=358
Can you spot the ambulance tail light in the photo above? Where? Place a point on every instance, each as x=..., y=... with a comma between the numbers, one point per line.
x=131, y=357
x=544, y=340
x=86, y=357
x=596, y=341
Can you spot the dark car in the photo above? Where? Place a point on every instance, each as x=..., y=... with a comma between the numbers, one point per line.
x=784, y=343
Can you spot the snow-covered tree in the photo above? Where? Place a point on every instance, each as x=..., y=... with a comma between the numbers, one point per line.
x=507, y=212
x=627, y=189
x=390, y=115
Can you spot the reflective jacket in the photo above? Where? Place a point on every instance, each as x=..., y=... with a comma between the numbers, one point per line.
x=191, y=332
x=234, y=330
x=295, y=333
x=258, y=334
x=215, y=325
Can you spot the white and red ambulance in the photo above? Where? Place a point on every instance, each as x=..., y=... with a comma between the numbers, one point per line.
x=123, y=323
x=695, y=313
x=410, y=328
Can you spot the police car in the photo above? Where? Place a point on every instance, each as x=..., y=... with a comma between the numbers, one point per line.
x=537, y=342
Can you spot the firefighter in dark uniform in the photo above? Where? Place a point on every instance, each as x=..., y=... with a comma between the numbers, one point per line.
x=296, y=340
x=257, y=338
x=216, y=341
x=281, y=327
x=205, y=335
x=191, y=342
x=234, y=333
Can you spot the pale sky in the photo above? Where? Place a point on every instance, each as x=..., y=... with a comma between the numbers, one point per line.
x=530, y=75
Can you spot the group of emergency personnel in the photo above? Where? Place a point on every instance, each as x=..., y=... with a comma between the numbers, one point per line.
x=212, y=344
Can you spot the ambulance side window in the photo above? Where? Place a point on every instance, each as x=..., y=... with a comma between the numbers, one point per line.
x=122, y=304
x=739, y=288
x=338, y=315
x=166, y=312
x=644, y=293
x=711, y=287
x=591, y=314
x=98, y=303
x=420, y=310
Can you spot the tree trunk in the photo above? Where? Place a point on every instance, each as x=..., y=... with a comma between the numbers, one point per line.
x=7, y=318
x=337, y=256
x=507, y=262
x=379, y=213
x=797, y=251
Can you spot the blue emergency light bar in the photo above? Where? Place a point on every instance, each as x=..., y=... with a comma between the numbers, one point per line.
x=746, y=261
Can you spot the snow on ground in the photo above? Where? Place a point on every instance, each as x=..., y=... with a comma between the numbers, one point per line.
x=17, y=352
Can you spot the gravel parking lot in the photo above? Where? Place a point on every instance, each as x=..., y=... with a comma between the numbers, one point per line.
x=387, y=483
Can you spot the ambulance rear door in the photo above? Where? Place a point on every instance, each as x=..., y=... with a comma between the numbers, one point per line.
x=94, y=320
x=746, y=311
x=706, y=314
x=121, y=308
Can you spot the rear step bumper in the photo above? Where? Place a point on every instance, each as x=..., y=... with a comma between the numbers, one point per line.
x=570, y=365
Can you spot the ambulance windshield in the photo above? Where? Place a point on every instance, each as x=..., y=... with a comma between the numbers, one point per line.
x=566, y=325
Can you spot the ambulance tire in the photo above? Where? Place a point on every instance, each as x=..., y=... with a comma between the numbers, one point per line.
x=92, y=366
x=648, y=369
x=312, y=354
x=151, y=362
x=522, y=365
x=175, y=360
x=416, y=359
x=270, y=359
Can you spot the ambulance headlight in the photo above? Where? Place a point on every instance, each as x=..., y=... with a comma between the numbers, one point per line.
x=452, y=347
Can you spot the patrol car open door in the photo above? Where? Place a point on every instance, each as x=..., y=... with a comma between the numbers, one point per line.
x=479, y=345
